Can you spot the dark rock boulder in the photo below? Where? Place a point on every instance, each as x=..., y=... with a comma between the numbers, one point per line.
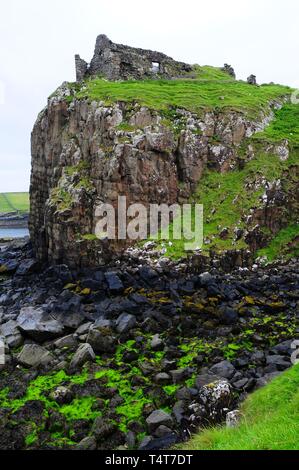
x=38, y=324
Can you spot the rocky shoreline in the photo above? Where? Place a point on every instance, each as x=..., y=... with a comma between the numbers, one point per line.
x=14, y=220
x=134, y=356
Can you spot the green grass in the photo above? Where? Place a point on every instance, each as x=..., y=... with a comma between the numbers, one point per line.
x=285, y=244
x=270, y=421
x=284, y=126
x=12, y=202
x=213, y=90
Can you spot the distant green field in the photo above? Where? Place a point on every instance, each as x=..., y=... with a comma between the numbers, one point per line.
x=11, y=202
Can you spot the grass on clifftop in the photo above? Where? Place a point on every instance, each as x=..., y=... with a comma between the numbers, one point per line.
x=13, y=202
x=285, y=126
x=213, y=89
x=270, y=421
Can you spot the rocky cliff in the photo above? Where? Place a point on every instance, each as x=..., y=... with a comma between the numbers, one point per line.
x=162, y=142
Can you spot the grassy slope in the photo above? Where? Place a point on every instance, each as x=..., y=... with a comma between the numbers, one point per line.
x=211, y=89
x=10, y=202
x=270, y=421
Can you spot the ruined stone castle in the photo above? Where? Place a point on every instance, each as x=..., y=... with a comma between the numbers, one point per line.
x=119, y=62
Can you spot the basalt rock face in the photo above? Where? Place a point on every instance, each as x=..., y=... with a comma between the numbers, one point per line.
x=119, y=62
x=86, y=154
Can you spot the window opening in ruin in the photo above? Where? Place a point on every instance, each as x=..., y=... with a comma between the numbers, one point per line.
x=155, y=67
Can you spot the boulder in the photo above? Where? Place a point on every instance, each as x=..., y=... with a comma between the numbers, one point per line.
x=33, y=355
x=228, y=316
x=158, y=418
x=67, y=342
x=115, y=284
x=88, y=443
x=10, y=331
x=212, y=404
x=125, y=323
x=162, y=431
x=83, y=354
x=157, y=343
x=38, y=324
x=281, y=362
x=205, y=379
x=26, y=267
x=102, y=428
x=162, y=378
x=62, y=395
x=223, y=369
x=178, y=375
x=100, y=342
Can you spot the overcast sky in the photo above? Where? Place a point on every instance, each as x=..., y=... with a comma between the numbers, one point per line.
x=39, y=39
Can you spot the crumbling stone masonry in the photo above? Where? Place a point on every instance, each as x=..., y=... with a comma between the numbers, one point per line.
x=119, y=62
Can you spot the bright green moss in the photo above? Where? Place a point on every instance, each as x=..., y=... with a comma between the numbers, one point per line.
x=170, y=389
x=38, y=388
x=80, y=408
x=132, y=409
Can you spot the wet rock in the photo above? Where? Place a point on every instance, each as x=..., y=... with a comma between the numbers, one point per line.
x=157, y=343
x=115, y=285
x=223, y=369
x=228, y=316
x=83, y=329
x=178, y=411
x=162, y=379
x=33, y=355
x=241, y=384
x=158, y=418
x=102, y=429
x=68, y=342
x=164, y=442
x=162, y=431
x=205, y=279
x=267, y=378
x=131, y=440
x=88, y=443
x=145, y=443
x=39, y=325
x=283, y=349
x=281, y=362
x=125, y=323
x=101, y=342
x=83, y=354
x=8, y=267
x=205, y=379
x=10, y=331
x=26, y=267
x=178, y=375
x=258, y=357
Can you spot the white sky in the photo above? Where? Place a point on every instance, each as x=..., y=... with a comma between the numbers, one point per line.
x=39, y=39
